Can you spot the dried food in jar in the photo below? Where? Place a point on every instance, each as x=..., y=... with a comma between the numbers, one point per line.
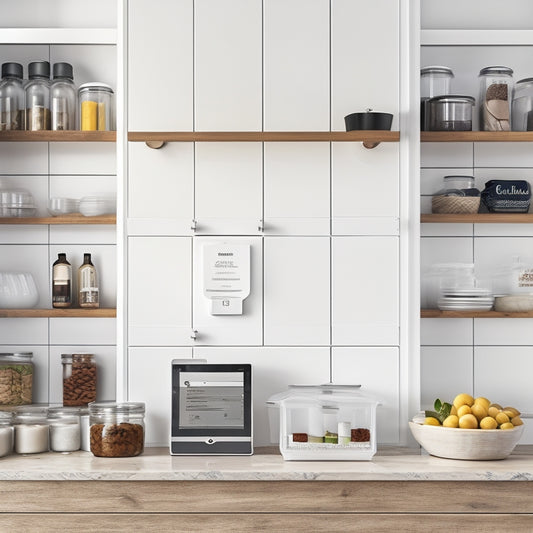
x=79, y=379
x=117, y=440
x=16, y=379
x=360, y=435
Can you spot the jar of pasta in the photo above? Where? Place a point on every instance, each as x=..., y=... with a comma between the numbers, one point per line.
x=96, y=107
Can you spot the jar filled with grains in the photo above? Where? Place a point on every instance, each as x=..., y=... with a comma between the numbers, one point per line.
x=16, y=378
x=79, y=379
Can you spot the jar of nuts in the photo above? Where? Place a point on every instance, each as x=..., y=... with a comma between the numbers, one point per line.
x=79, y=379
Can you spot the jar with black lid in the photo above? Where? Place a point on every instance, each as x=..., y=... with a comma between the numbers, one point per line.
x=16, y=378
x=63, y=98
x=37, y=93
x=496, y=89
x=11, y=97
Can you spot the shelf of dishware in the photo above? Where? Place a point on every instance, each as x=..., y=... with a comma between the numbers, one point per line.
x=59, y=313
x=437, y=313
x=477, y=218
x=71, y=219
x=57, y=136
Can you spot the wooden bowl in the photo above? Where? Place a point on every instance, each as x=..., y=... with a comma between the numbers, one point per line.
x=468, y=444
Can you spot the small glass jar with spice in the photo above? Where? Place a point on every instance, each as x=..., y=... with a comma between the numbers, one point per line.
x=79, y=379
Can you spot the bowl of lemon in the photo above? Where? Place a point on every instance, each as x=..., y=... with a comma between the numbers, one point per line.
x=469, y=428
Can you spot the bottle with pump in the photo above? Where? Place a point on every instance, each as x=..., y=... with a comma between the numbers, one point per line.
x=88, y=293
x=11, y=97
x=61, y=282
x=38, y=96
x=63, y=98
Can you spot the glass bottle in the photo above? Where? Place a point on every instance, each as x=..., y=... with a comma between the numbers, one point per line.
x=11, y=97
x=88, y=293
x=63, y=98
x=38, y=96
x=96, y=107
x=79, y=379
x=61, y=282
x=496, y=89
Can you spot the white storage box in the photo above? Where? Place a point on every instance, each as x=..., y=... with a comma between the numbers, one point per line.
x=324, y=423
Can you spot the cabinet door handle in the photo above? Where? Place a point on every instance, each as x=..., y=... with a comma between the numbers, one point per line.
x=194, y=334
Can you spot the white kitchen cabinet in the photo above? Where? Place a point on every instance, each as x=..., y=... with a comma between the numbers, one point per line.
x=227, y=65
x=365, y=189
x=297, y=295
x=147, y=365
x=296, y=188
x=233, y=330
x=160, y=47
x=160, y=189
x=365, y=61
x=159, y=291
x=296, y=65
x=365, y=291
x=377, y=371
x=228, y=188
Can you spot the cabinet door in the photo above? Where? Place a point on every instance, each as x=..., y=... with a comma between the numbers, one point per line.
x=297, y=188
x=228, y=60
x=364, y=58
x=160, y=202
x=296, y=65
x=228, y=188
x=245, y=329
x=365, y=189
x=297, y=298
x=159, y=291
x=377, y=371
x=160, y=65
x=365, y=289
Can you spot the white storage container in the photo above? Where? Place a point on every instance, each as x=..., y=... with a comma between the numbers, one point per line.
x=325, y=423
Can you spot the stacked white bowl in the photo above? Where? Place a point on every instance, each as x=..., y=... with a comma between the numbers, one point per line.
x=92, y=206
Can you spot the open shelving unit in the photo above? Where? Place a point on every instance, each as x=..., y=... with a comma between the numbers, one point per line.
x=476, y=136
x=75, y=218
x=59, y=313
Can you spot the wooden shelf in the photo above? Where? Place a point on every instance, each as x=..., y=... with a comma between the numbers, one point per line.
x=59, y=313
x=476, y=136
x=437, y=313
x=58, y=136
x=369, y=138
x=478, y=218
x=75, y=219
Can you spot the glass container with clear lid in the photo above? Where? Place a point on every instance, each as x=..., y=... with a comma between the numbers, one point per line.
x=496, y=89
x=6, y=433
x=117, y=429
x=65, y=431
x=434, y=81
x=31, y=429
x=522, y=107
x=11, y=97
x=79, y=379
x=81, y=414
x=16, y=378
x=96, y=107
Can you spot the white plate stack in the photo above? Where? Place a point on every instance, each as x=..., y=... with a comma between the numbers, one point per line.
x=466, y=299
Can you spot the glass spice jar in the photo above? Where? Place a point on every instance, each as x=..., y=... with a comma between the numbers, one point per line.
x=37, y=94
x=79, y=379
x=11, y=97
x=117, y=429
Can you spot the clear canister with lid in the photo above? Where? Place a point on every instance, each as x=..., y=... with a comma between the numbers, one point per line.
x=79, y=379
x=16, y=378
x=452, y=112
x=496, y=89
x=31, y=429
x=65, y=434
x=6, y=433
x=435, y=80
x=117, y=429
x=63, y=98
x=80, y=414
x=522, y=107
x=96, y=107
x=11, y=97
x=37, y=95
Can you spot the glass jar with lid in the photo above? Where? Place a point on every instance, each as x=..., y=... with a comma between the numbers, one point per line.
x=16, y=378
x=79, y=379
x=452, y=112
x=80, y=414
x=65, y=435
x=117, y=429
x=435, y=80
x=11, y=97
x=459, y=195
x=6, y=433
x=37, y=94
x=31, y=429
x=96, y=107
x=522, y=107
x=63, y=98
x=496, y=89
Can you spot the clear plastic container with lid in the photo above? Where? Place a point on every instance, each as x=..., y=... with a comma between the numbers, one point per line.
x=6, y=433
x=435, y=80
x=522, y=107
x=11, y=97
x=117, y=429
x=63, y=98
x=16, y=378
x=496, y=89
x=31, y=429
x=96, y=107
x=79, y=379
x=37, y=94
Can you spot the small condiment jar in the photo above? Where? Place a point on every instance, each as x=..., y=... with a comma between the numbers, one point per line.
x=79, y=379
x=6, y=433
x=117, y=429
x=96, y=107
x=31, y=429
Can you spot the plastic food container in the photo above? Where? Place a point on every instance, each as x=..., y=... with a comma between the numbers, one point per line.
x=96, y=107
x=91, y=206
x=6, y=433
x=450, y=113
x=117, y=429
x=325, y=422
x=79, y=379
x=31, y=430
x=16, y=203
x=16, y=378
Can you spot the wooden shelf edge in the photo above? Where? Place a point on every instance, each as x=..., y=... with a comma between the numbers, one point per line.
x=476, y=136
x=59, y=313
x=437, y=313
x=75, y=219
x=57, y=136
x=477, y=218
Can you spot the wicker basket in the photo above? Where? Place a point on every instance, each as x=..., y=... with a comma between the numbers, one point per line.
x=455, y=204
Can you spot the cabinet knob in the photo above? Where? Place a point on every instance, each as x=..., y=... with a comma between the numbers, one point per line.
x=194, y=334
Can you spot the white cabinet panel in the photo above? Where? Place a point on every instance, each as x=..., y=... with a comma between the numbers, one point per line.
x=365, y=189
x=297, y=291
x=296, y=65
x=273, y=370
x=159, y=291
x=445, y=371
x=23, y=158
x=150, y=381
x=228, y=63
x=66, y=330
x=377, y=371
x=228, y=188
x=160, y=45
x=364, y=58
x=82, y=158
x=449, y=331
x=245, y=329
x=297, y=188
x=365, y=289
x=160, y=188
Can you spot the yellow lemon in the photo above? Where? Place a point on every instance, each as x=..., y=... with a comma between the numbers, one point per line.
x=507, y=425
x=514, y=412
x=463, y=399
x=463, y=410
x=468, y=421
x=479, y=411
x=493, y=411
x=516, y=421
x=501, y=418
x=431, y=421
x=488, y=423
x=451, y=421
x=483, y=401
x=453, y=410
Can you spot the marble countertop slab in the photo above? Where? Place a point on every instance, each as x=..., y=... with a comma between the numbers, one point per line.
x=155, y=464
